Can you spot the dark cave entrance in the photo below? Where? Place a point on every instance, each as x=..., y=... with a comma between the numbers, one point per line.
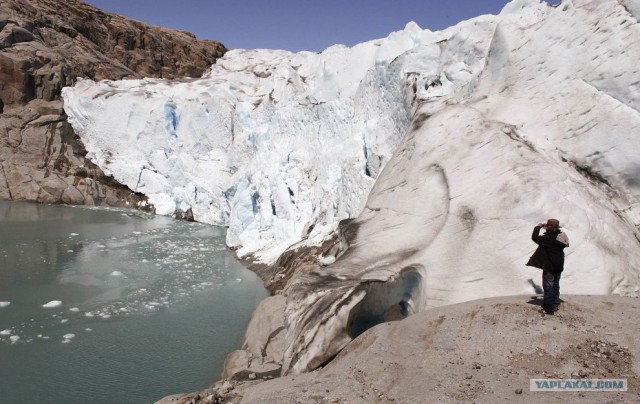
x=387, y=301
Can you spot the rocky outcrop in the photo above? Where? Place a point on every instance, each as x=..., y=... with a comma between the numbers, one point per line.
x=260, y=356
x=45, y=46
x=480, y=351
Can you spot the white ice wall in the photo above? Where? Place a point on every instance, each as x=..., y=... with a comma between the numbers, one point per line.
x=278, y=146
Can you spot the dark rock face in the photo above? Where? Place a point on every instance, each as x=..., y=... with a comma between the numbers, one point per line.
x=46, y=45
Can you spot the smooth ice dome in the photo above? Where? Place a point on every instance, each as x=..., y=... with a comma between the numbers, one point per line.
x=52, y=304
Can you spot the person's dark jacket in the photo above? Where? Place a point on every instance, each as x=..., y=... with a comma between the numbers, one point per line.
x=549, y=256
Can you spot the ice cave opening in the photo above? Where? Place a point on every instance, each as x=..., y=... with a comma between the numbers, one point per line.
x=392, y=300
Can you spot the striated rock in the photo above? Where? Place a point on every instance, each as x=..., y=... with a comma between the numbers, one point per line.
x=47, y=45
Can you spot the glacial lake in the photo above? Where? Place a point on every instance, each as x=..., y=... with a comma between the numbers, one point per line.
x=108, y=305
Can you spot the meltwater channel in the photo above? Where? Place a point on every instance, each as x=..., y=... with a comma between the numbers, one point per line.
x=107, y=305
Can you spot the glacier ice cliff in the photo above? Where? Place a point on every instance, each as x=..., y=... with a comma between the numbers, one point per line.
x=278, y=146
x=445, y=148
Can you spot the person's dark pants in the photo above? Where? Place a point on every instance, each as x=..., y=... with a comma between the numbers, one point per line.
x=551, y=288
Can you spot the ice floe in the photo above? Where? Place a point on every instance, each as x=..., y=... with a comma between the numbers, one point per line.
x=66, y=338
x=52, y=304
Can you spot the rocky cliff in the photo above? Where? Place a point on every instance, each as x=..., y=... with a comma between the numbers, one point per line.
x=47, y=45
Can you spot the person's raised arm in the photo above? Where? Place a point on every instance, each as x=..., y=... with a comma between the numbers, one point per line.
x=535, y=236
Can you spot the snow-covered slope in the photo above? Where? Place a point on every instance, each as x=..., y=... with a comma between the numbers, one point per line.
x=447, y=146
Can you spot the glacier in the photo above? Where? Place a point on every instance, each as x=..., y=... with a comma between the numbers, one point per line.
x=445, y=148
x=277, y=146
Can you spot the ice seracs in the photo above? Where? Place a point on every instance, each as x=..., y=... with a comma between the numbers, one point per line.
x=278, y=146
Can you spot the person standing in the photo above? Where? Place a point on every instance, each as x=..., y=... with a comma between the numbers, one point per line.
x=549, y=256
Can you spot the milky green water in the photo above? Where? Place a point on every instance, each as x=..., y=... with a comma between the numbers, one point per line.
x=141, y=306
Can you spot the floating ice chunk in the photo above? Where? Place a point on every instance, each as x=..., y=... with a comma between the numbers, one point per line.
x=74, y=309
x=53, y=303
x=14, y=339
x=116, y=273
x=4, y=304
x=5, y=332
x=66, y=338
x=88, y=329
x=105, y=316
x=64, y=320
x=238, y=280
x=74, y=234
x=69, y=250
x=88, y=314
